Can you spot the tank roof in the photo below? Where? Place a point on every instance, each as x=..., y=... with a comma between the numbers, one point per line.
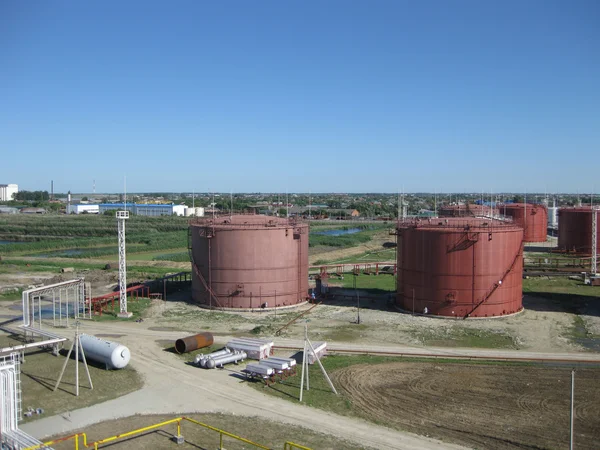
x=581, y=209
x=522, y=205
x=456, y=223
x=247, y=221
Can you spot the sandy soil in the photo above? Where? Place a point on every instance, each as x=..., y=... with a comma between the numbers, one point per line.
x=540, y=328
x=488, y=407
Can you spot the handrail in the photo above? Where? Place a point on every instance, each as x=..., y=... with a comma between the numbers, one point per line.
x=288, y=445
x=291, y=446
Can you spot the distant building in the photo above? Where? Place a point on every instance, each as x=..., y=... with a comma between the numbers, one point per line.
x=8, y=210
x=143, y=209
x=7, y=191
x=79, y=208
x=103, y=207
x=33, y=211
x=343, y=213
x=159, y=210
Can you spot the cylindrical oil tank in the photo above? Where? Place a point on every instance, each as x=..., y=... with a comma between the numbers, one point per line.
x=467, y=210
x=575, y=230
x=191, y=343
x=112, y=354
x=460, y=267
x=532, y=217
x=249, y=261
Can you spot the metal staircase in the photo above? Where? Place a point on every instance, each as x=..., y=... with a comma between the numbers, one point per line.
x=497, y=284
x=466, y=240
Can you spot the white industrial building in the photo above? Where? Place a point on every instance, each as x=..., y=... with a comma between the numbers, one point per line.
x=7, y=191
x=159, y=210
x=143, y=209
x=79, y=208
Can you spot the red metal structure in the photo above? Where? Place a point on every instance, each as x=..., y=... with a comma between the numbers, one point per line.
x=466, y=210
x=471, y=267
x=532, y=217
x=575, y=230
x=102, y=302
x=249, y=261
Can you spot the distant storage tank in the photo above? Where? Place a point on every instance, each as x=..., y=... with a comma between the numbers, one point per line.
x=249, y=261
x=575, y=230
x=467, y=210
x=460, y=267
x=112, y=354
x=191, y=343
x=532, y=217
x=553, y=217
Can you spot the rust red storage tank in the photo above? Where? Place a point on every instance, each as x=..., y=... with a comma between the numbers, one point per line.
x=532, y=217
x=466, y=210
x=575, y=230
x=471, y=267
x=249, y=261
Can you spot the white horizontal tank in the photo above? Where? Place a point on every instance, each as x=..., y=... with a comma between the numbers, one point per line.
x=112, y=354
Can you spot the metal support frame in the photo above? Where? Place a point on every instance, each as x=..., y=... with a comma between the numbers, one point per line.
x=78, y=347
x=122, y=216
x=32, y=303
x=308, y=348
x=10, y=405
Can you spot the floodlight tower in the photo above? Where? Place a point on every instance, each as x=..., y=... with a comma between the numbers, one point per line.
x=122, y=216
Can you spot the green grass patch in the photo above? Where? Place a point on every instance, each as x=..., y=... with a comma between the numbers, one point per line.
x=177, y=257
x=464, y=337
x=346, y=333
x=40, y=372
x=547, y=286
x=11, y=294
x=382, y=282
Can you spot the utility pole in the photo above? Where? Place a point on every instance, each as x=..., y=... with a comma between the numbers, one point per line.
x=594, y=268
x=572, y=409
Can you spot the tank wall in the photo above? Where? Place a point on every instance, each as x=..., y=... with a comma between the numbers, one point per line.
x=533, y=219
x=250, y=267
x=575, y=230
x=451, y=282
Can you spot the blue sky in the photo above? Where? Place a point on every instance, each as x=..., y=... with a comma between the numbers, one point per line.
x=327, y=96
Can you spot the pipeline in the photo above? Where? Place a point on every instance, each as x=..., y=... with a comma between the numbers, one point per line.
x=220, y=361
x=464, y=357
x=191, y=343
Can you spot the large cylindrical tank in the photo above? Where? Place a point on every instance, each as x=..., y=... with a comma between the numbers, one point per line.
x=467, y=210
x=249, y=261
x=532, y=217
x=113, y=354
x=575, y=230
x=455, y=267
x=191, y=343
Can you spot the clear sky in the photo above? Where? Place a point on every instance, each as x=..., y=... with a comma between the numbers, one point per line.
x=327, y=96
